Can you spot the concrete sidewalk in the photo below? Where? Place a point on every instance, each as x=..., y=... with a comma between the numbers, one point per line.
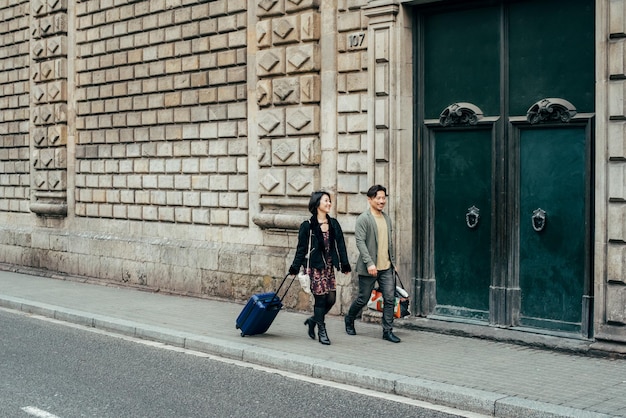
x=473, y=374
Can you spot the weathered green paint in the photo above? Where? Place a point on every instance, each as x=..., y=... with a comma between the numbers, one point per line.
x=463, y=254
x=552, y=261
x=462, y=60
x=551, y=53
x=504, y=57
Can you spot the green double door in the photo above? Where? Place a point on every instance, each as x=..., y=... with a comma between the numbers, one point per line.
x=505, y=97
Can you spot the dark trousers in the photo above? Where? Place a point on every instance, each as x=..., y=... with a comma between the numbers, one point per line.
x=387, y=285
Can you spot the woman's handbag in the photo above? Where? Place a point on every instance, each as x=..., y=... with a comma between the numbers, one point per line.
x=303, y=276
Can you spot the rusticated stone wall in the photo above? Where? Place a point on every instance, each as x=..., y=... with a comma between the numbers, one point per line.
x=161, y=111
x=48, y=106
x=14, y=106
x=173, y=144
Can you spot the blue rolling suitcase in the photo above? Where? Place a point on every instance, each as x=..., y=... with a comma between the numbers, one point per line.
x=260, y=311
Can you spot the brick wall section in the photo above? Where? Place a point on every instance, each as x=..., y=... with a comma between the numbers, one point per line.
x=352, y=85
x=14, y=106
x=161, y=111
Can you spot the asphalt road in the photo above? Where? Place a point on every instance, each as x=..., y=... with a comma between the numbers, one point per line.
x=50, y=370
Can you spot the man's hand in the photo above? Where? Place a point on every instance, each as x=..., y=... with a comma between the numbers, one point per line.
x=372, y=270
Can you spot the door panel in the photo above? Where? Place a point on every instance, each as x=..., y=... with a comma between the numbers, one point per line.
x=462, y=251
x=461, y=60
x=552, y=260
x=502, y=57
x=551, y=53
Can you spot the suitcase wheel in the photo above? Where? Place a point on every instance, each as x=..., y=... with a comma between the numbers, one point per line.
x=242, y=334
x=236, y=326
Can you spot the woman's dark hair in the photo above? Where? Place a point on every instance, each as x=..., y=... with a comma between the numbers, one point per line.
x=314, y=202
x=375, y=189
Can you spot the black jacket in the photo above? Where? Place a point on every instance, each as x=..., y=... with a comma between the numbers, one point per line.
x=318, y=253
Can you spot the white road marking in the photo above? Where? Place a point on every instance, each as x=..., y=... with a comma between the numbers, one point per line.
x=39, y=413
x=313, y=380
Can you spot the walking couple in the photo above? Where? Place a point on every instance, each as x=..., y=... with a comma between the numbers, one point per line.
x=321, y=240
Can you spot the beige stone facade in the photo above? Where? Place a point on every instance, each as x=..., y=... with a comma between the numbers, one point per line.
x=173, y=144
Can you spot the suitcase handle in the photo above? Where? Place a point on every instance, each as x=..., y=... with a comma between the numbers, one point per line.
x=281, y=285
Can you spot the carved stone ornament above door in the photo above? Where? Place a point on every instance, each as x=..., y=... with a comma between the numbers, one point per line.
x=551, y=110
x=460, y=114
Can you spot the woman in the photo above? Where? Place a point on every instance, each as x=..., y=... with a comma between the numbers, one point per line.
x=327, y=252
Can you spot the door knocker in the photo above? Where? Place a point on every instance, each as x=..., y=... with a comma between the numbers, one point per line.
x=472, y=217
x=539, y=219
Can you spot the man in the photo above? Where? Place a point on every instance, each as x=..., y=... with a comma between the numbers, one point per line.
x=375, y=262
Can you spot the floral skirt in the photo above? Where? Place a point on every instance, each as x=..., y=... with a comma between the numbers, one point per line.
x=323, y=281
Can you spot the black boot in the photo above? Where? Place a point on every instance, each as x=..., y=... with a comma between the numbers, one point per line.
x=311, y=323
x=390, y=336
x=321, y=333
x=349, y=325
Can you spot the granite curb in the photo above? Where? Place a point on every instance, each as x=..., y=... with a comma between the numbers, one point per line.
x=467, y=399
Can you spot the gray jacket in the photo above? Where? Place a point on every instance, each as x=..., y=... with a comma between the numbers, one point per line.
x=366, y=236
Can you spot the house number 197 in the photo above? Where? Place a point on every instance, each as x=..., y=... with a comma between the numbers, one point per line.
x=356, y=40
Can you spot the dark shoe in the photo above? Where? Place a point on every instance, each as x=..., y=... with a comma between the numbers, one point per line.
x=388, y=335
x=321, y=333
x=349, y=326
x=311, y=324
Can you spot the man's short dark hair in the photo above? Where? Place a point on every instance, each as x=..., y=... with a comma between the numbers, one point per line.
x=375, y=189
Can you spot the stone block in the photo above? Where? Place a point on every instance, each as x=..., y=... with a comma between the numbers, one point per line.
x=238, y=183
x=271, y=62
x=310, y=151
x=286, y=29
x=616, y=99
x=234, y=6
x=617, y=17
x=349, y=103
x=302, y=120
x=264, y=33
x=219, y=216
x=239, y=218
x=182, y=214
x=616, y=260
x=209, y=199
x=310, y=89
x=182, y=182
x=272, y=181
x=264, y=93
x=218, y=182
x=227, y=93
x=310, y=27
x=303, y=58
x=286, y=90
x=285, y=151
x=267, y=8
x=616, y=303
x=271, y=122
x=349, y=61
x=201, y=216
x=301, y=181
x=356, y=123
x=616, y=222
x=219, y=42
x=616, y=140
x=348, y=183
x=134, y=212
x=617, y=58
x=617, y=181
x=357, y=81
